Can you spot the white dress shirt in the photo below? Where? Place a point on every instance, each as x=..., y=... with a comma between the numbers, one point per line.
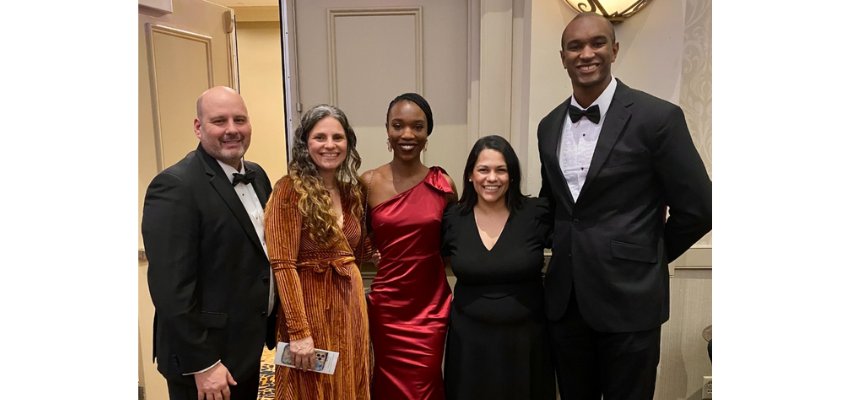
x=578, y=141
x=252, y=205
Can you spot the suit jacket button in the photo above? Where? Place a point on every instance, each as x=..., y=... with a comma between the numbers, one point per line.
x=263, y=313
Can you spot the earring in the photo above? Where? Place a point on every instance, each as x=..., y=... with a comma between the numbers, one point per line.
x=426, y=147
x=389, y=148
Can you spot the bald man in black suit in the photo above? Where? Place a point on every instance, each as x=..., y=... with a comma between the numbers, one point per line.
x=208, y=271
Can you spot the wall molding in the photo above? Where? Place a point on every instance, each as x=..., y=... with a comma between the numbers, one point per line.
x=696, y=258
x=151, y=30
x=159, y=6
x=335, y=13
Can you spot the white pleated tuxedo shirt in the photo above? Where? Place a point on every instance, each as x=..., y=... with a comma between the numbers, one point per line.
x=578, y=141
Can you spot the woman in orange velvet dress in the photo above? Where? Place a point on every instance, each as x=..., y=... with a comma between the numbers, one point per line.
x=410, y=297
x=315, y=239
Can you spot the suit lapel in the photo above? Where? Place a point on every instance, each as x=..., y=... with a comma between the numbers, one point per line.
x=224, y=188
x=551, y=144
x=262, y=195
x=615, y=120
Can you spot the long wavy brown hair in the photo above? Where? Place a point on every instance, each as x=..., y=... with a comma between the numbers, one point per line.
x=314, y=201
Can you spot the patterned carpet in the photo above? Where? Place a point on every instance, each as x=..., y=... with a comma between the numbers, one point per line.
x=267, y=376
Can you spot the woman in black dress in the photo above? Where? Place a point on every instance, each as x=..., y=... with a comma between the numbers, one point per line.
x=493, y=238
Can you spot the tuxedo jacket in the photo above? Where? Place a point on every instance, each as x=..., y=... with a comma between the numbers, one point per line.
x=207, y=273
x=612, y=244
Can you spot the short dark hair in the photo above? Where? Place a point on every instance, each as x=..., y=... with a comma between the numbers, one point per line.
x=419, y=101
x=586, y=14
x=514, y=198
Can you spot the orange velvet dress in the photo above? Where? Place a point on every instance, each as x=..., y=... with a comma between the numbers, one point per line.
x=321, y=295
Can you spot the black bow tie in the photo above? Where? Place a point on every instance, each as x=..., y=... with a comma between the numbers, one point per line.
x=247, y=179
x=591, y=113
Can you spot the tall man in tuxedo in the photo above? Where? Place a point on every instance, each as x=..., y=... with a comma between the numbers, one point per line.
x=614, y=159
x=208, y=272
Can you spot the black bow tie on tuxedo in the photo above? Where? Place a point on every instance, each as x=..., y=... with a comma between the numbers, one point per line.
x=591, y=113
x=247, y=179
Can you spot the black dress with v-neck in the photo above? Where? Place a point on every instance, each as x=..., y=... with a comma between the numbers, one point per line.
x=497, y=347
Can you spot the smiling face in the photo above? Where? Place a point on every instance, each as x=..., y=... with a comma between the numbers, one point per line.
x=222, y=125
x=490, y=177
x=327, y=145
x=587, y=52
x=407, y=130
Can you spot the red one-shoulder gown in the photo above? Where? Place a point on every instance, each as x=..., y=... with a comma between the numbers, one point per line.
x=410, y=297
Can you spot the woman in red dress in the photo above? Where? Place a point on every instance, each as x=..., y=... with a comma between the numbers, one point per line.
x=410, y=297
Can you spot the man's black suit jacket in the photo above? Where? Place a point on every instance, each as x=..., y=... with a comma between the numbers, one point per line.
x=614, y=242
x=207, y=273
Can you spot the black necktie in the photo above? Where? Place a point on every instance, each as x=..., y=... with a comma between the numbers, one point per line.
x=591, y=113
x=246, y=179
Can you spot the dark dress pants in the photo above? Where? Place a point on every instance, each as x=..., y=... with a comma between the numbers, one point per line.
x=185, y=389
x=591, y=364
